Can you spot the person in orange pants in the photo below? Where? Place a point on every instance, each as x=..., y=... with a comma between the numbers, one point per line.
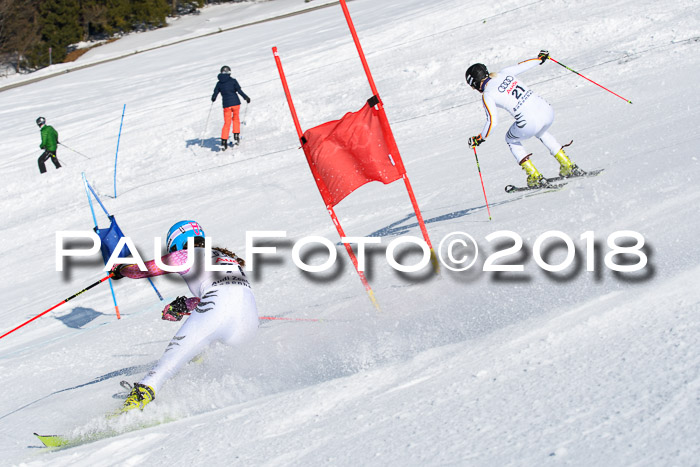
x=229, y=89
x=232, y=121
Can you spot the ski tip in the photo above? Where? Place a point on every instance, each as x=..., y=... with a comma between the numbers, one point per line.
x=52, y=441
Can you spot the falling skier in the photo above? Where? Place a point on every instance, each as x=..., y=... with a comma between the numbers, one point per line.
x=223, y=308
x=229, y=89
x=49, y=143
x=533, y=116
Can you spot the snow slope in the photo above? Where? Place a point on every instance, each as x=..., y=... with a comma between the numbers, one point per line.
x=468, y=368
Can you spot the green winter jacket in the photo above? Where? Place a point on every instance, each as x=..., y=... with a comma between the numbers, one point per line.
x=49, y=138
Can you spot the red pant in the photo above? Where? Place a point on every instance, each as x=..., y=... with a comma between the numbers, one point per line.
x=231, y=119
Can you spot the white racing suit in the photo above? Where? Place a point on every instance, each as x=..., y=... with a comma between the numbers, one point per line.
x=533, y=116
x=226, y=311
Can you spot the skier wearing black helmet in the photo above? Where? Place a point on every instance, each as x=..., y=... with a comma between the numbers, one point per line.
x=49, y=143
x=229, y=89
x=533, y=115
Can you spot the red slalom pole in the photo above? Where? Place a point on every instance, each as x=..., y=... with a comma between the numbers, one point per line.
x=574, y=71
x=390, y=136
x=58, y=304
x=482, y=182
x=322, y=188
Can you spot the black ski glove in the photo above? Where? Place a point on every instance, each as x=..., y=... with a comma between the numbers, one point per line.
x=543, y=55
x=116, y=271
x=175, y=310
x=247, y=100
x=474, y=141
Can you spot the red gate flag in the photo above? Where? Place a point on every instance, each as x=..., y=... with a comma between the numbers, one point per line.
x=350, y=152
x=359, y=148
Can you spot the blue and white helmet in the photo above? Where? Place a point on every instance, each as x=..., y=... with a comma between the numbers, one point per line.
x=180, y=232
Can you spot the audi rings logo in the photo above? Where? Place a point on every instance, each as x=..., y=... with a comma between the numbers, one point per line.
x=505, y=83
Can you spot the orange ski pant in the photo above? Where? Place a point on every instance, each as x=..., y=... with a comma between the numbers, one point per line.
x=231, y=121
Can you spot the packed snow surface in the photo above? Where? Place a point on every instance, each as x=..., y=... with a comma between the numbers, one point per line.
x=585, y=366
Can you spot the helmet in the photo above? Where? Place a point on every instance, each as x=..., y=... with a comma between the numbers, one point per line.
x=40, y=121
x=226, y=69
x=476, y=74
x=180, y=232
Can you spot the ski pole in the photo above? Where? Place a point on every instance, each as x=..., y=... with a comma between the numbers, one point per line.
x=59, y=304
x=71, y=149
x=245, y=112
x=277, y=318
x=574, y=71
x=482, y=182
x=63, y=164
x=206, y=125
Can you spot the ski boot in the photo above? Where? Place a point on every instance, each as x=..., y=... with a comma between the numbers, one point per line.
x=237, y=138
x=224, y=144
x=139, y=397
x=534, y=178
x=566, y=167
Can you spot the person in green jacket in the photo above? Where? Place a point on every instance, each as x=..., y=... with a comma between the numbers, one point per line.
x=49, y=143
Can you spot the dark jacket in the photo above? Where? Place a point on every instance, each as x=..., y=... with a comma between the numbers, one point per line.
x=49, y=138
x=229, y=89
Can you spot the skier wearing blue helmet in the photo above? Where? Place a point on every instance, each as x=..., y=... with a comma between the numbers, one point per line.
x=222, y=308
x=180, y=232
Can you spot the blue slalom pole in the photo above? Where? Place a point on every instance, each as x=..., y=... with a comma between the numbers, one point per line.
x=94, y=219
x=86, y=184
x=117, y=153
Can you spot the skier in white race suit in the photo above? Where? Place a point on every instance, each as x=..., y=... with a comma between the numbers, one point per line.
x=533, y=115
x=223, y=307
